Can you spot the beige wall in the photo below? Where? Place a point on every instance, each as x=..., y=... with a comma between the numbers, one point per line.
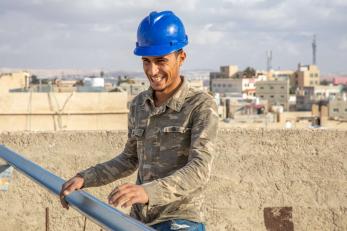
x=13, y=80
x=274, y=91
x=338, y=109
x=63, y=111
x=308, y=76
x=254, y=170
x=229, y=70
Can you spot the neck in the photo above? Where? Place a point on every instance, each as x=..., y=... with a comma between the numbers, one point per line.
x=161, y=97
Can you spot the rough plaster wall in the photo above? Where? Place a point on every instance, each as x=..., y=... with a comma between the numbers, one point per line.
x=254, y=170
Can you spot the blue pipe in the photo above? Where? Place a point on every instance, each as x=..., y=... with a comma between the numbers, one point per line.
x=101, y=213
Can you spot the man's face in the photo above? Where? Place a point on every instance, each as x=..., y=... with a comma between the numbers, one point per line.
x=163, y=71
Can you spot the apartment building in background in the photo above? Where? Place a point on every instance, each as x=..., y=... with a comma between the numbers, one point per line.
x=276, y=92
x=307, y=76
x=338, y=108
x=307, y=96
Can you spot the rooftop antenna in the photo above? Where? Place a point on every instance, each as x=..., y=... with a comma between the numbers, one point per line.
x=314, y=50
x=268, y=60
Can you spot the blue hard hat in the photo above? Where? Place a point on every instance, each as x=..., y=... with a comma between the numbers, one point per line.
x=159, y=34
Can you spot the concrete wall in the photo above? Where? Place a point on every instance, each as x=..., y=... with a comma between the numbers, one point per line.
x=258, y=173
x=35, y=111
x=13, y=80
x=274, y=91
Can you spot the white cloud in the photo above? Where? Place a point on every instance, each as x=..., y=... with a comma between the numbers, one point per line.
x=93, y=33
x=207, y=36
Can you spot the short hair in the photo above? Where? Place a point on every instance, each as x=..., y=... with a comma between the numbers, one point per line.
x=178, y=52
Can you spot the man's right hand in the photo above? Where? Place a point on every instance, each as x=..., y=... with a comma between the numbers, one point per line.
x=69, y=186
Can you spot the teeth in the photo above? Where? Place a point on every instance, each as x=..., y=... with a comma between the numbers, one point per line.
x=157, y=79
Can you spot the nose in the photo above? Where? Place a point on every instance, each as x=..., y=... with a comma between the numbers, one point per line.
x=153, y=69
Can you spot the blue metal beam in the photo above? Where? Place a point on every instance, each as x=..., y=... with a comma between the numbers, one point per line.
x=101, y=213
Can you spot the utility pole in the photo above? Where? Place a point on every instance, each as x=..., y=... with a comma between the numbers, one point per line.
x=314, y=50
x=268, y=60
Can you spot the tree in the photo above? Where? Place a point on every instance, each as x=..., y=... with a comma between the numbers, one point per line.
x=249, y=72
x=325, y=82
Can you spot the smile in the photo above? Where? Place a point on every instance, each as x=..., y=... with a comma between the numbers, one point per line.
x=157, y=79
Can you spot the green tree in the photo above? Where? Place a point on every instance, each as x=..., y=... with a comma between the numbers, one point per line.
x=249, y=72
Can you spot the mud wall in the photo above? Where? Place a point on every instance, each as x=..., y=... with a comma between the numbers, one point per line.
x=262, y=179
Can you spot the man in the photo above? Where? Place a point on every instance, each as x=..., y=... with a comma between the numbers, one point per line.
x=171, y=131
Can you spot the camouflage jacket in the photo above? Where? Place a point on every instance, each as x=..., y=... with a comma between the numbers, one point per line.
x=172, y=148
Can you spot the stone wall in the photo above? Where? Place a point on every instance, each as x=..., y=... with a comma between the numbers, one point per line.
x=262, y=179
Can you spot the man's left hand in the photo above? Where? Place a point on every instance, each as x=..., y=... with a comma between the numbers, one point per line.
x=128, y=194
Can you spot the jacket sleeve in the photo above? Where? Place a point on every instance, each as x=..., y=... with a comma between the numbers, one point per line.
x=121, y=166
x=196, y=173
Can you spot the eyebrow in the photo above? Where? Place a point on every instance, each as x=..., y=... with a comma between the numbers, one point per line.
x=156, y=58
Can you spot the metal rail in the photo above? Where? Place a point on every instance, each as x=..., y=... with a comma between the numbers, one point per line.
x=101, y=213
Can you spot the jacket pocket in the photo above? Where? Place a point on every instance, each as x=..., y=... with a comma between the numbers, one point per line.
x=174, y=138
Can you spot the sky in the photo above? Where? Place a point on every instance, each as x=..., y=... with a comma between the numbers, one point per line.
x=89, y=34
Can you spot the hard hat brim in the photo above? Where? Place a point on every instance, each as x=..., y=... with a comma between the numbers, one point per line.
x=158, y=50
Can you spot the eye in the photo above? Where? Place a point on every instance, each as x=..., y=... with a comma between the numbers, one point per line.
x=161, y=61
x=145, y=61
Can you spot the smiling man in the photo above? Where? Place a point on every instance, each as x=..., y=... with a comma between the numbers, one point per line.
x=171, y=133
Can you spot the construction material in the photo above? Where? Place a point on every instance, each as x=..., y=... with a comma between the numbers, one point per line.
x=101, y=213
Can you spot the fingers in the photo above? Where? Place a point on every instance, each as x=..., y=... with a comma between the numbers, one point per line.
x=63, y=202
x=124, y=195
x=121, y=195
x=127, y=195
x=66, y=189
x=63, y=193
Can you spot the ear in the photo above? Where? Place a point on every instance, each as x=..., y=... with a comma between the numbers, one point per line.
x=182, y=57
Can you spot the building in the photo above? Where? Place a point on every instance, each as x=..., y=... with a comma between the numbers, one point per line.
x=276, y=92
x=306, y=76
x=340, y=81
x=225, y=72
x=308, y=96
x=134, y=87
x=284, y=74
x=243, y=88
x=197, y=84
x=229, y=71
x=14, y=80
x=338, y=108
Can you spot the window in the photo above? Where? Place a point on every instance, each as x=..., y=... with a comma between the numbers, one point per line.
x=316, y=74
x=282, y=96
x=271, y=87
x=271, y=96
x=311, y=82
x=335, y=110
x=223, y=85
x=346, y=110
x=218, y=85
x=229, y=85
x=261, y=87
x=311, y=75
x=263, y=97
x=282, y=87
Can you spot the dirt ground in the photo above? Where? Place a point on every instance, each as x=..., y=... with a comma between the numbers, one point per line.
x=255, y=169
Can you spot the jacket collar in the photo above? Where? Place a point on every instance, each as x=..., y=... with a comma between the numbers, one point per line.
x=176, y=101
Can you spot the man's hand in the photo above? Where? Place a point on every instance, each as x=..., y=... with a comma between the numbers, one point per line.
x=69, y=186
x=128, y=194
